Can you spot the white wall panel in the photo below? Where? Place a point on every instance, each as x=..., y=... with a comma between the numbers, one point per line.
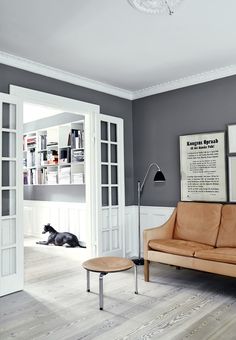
x=63, y=216
x=150, y=217
x=71, y=217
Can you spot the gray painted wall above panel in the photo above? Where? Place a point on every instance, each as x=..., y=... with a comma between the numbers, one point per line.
x=110, y=105
x=159, y=120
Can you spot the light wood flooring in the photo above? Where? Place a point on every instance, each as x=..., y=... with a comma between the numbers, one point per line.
x=176, y=304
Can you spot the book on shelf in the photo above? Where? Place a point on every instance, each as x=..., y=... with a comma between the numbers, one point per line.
x=42, y=158
x=42, y=176
x=42, y=142
x=25, y=177
x=31, y=157
x=30, y=177
x=77, y=139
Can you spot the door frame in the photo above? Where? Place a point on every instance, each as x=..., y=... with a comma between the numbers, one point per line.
x=104, y=223
x=90, y=111
x=13, y=282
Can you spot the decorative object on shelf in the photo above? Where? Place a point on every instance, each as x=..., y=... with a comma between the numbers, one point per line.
x=155, y=6
x=202, y=167
x=158, y=178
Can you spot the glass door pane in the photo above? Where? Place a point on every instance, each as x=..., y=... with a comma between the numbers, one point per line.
x=8, y=144
x=8, y=173
x=8, y=202
x=8, y=116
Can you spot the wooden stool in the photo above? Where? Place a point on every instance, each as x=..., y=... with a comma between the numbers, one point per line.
x=105, y=265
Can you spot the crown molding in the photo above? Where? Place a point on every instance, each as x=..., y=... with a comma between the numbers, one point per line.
x=186, y=81
x=48, y=71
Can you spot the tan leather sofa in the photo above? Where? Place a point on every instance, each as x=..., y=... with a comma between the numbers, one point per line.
x=199, y=236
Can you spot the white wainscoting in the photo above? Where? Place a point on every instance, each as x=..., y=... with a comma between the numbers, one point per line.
x=69, y=216
x=63, y=216
x=150, y=217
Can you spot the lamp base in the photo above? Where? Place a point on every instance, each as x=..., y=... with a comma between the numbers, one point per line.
x=138, y=261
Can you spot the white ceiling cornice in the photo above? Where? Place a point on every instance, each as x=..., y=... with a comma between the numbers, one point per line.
x=31, y=66
x=186, y=81
x=48, y=71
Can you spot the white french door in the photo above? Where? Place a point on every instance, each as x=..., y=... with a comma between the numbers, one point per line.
x=110, y=186
x=11, y=195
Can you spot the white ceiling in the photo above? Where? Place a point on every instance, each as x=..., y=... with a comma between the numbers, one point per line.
x=110, y=42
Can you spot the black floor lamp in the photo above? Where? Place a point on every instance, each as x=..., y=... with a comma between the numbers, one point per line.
x=158, y=178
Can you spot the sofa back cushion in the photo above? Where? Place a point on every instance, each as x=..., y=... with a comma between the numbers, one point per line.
x=198, y=222
x=227, y=232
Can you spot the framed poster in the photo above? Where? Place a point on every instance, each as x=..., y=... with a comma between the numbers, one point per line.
x=232, y=178
x=232, y=138
x=202, y=167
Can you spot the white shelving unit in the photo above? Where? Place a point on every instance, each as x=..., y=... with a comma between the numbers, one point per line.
x=55, y=155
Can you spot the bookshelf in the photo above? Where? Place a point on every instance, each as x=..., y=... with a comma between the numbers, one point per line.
x=55, y=155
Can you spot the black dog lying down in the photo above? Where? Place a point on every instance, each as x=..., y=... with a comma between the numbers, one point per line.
x=59, y=239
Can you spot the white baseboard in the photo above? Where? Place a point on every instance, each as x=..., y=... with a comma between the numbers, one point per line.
x=150, y=217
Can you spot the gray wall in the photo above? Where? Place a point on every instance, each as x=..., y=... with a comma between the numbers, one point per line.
x=110, y=105
x=152, y=126
x=159, y=120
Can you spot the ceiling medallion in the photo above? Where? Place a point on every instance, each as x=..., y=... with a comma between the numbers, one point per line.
x=155, y=6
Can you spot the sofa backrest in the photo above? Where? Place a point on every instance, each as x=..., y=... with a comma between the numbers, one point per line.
x=198, y=222
x=227, y=232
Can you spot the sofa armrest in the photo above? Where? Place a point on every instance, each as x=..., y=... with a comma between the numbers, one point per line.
x=163, y=232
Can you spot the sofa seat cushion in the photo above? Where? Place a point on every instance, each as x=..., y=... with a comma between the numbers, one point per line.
x=198, y=222
x=178, y=247
x=227, y=255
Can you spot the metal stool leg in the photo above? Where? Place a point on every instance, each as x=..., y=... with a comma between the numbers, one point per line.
x=88, y=281
x=136, y=279
x=101, y=290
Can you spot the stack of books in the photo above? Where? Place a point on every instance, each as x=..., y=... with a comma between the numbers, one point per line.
x=78, y=178
x=52, y=176
x=64, y=175
x=31, y=141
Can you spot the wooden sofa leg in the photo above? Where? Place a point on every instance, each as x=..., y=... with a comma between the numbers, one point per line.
x=146, y=270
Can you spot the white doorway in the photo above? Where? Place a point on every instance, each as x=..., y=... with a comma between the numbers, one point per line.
x=98, y=225
x=56, y=104
x=54, y=174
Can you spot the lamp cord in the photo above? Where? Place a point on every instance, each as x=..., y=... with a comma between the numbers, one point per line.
x=169, y=9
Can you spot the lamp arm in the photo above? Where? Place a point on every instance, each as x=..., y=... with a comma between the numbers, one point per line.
x=145, y=177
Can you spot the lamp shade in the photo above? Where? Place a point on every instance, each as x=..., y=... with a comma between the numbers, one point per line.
x=159, y=177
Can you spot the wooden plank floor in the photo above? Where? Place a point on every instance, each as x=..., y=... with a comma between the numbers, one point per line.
x=177, y=304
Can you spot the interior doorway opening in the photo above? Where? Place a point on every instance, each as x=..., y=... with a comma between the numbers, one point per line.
x=55, y=175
